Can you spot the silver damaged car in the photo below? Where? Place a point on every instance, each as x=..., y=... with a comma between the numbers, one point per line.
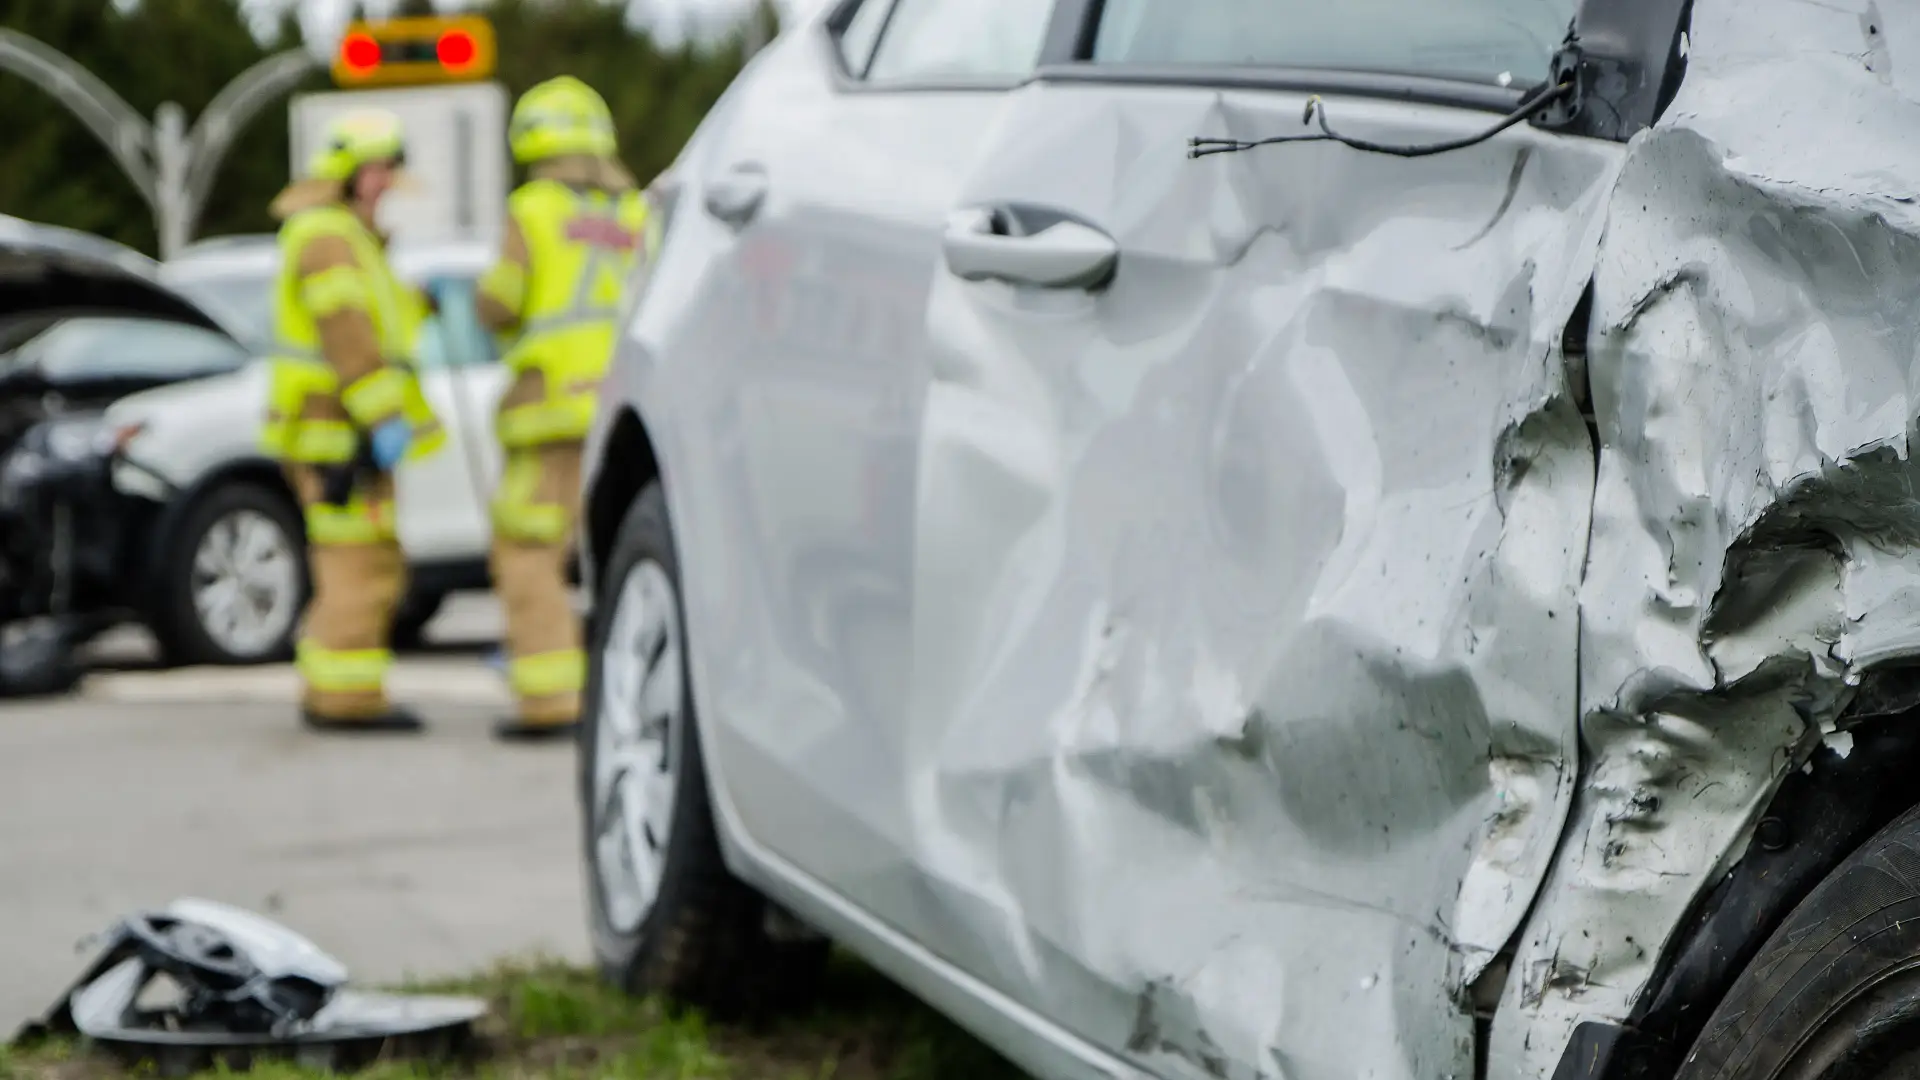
x=1255, y=539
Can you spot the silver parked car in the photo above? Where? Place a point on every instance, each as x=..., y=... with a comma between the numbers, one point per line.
x=1422, y=582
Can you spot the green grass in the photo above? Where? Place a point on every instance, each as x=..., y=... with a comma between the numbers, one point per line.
x=552, y=1022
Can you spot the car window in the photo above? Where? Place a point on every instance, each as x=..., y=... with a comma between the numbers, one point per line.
x=103, y=347
x=242, y=300
x=1494, y=41
x=961, y=39
x=454, y=337
x=862, y=32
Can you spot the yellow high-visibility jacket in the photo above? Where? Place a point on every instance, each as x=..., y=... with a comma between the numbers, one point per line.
x=344, y=329
x=568, y=256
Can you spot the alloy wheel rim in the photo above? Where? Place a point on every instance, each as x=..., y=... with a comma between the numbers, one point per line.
x=245, y=583
x=636, y=744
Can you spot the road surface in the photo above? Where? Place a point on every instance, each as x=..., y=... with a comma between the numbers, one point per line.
x=424, y=855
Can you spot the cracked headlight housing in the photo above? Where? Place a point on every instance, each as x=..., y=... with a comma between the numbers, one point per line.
x=79, y=440
x=59, y=450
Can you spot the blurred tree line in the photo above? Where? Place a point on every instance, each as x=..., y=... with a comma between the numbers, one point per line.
x=53, y=169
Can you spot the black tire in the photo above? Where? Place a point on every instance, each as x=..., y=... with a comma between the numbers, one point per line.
x=705, y=940
x=409, y=630
x=1831, y=994
x=184, y=638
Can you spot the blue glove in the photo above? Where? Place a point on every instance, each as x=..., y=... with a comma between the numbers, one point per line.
x=390, y=443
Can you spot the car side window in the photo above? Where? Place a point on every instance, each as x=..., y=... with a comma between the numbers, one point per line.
x=1499, y=42
x=968, y=40
x=861, y=34
x=113, y=347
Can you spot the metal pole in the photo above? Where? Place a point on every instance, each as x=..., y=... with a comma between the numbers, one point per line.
x=171, y=167
x=105, y=113
x=170, y=158
x=230, y=111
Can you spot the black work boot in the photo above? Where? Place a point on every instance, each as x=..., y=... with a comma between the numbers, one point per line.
x=395, y=721
x=517, y=729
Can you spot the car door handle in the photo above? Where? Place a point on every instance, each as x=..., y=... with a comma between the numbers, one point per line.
x=1026, y=245
x=735, y=195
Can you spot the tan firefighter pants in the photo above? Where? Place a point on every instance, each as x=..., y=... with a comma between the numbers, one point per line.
x=358, y=573
x=534, y=515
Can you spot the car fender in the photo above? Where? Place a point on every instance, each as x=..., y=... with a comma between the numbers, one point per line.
x=189, y=429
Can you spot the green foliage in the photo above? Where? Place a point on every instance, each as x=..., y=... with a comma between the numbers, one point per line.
x=52, y=168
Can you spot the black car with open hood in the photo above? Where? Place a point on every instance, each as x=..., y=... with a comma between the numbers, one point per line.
x=83, y=322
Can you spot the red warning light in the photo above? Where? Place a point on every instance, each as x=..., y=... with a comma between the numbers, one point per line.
x=416, y=51
x=455, y=48
x=360, y=52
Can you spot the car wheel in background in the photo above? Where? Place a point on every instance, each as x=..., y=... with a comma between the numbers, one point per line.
x=667, y=916
x=1831, y=994
x=234, y=579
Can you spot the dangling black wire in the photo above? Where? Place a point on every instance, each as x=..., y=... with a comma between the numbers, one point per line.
x=1316, y=109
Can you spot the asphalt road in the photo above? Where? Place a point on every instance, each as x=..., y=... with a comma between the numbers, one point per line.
x=424, y=855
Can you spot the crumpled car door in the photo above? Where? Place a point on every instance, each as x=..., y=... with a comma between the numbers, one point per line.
x=1253, y=506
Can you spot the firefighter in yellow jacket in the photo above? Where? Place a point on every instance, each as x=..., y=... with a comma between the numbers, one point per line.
x=344, y=405
x=570, y=240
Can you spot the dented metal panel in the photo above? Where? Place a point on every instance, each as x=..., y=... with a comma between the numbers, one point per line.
x=1261, y=664
x=1241, y=729
x=1755, y=327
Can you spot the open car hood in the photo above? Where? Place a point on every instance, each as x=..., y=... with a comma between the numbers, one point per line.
x=49, y=273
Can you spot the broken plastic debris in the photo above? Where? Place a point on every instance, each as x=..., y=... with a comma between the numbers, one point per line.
x=1840, y=742
x=244, y=987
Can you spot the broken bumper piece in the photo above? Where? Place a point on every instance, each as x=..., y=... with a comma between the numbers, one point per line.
x=201, y=983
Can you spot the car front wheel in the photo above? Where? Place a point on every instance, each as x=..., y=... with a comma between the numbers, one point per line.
x=667, y=916
x=1831, y=994
x=233, y=582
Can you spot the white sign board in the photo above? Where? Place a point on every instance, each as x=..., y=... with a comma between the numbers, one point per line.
x=456, y=155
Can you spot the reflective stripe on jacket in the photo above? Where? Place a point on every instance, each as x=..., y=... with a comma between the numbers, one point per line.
x=581, y=246
x=311, y=416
